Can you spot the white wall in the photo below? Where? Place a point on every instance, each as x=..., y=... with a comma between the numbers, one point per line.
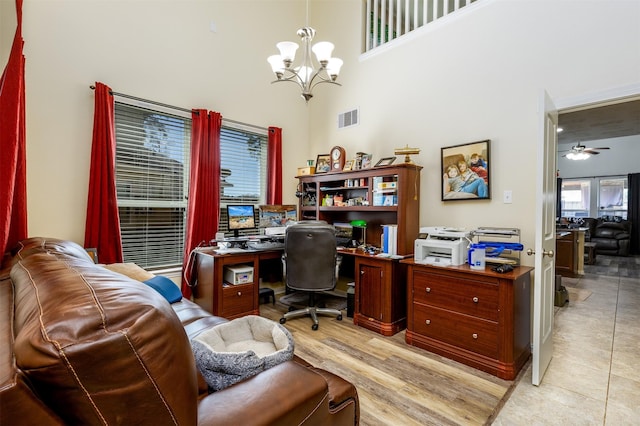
x=478, y=77
x=158, y=50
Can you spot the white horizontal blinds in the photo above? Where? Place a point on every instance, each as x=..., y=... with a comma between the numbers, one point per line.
x=243, y=168
x=387, y=20
x=152, y=172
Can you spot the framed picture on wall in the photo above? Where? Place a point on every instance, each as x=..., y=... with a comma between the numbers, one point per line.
x=466, y=171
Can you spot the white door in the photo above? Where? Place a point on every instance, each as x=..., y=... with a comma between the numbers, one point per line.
x=545, y=242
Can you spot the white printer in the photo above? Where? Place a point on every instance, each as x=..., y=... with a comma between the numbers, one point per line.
x=442, y=246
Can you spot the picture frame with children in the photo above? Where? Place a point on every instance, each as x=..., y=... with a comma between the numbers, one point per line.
x=466, y=171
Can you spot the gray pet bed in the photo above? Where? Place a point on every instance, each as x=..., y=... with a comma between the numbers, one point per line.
x=236, y=350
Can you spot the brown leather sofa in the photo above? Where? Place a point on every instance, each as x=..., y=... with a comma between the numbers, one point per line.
x=80, y=344
x=610, y=237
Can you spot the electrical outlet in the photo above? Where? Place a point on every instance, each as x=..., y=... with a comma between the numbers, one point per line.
x=507, y=197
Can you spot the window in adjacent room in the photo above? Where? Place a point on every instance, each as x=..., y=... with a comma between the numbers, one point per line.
x=575, y=198
x=152, y=178
x=612, y=197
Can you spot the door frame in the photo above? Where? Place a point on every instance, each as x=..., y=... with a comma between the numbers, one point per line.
x=587, y=101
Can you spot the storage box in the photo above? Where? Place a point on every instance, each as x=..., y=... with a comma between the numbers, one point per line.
x=304, y=171
x=238, y=274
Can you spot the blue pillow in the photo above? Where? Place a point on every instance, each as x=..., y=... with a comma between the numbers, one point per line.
x=165, y=287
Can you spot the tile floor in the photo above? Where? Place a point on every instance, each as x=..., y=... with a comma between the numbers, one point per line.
x=594, y=375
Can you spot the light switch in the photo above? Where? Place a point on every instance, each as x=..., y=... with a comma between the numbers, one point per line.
x=507, y=197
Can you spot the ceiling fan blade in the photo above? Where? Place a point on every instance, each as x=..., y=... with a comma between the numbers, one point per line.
x=588, y=151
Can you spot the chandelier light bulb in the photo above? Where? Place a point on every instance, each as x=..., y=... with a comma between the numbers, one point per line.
x=277, y=65
x=287, y=52
x=323, y=52
x=333, y=68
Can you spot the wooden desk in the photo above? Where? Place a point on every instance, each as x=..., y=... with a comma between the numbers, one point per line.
x=380, y=288
x=225, y=300
x=478, y=318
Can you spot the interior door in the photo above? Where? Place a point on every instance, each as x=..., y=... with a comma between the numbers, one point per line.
x=544, y=281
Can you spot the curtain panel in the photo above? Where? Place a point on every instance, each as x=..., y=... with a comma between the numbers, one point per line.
x=102, y=226
x=13, y=165
x=204, y=188
x=634, y=211
x=274, y=166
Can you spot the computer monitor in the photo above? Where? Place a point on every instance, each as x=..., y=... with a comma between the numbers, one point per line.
x=274, y=216
x=240, y=217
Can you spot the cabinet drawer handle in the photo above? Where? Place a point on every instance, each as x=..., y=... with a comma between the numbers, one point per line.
x=475, y=300
x=239, y=293
x=427, y=322
x=474, y=335
x=428, y=289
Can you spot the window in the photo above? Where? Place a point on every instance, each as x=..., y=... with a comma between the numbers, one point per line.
x=152, y=179
x=152, y=174
x=612, y=197
x=595, y=197
x=243, y=168
x=576, y=198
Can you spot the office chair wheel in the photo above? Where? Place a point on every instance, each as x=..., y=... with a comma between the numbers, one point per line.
x=314, y=327
x=283, y=320
x=339, y=317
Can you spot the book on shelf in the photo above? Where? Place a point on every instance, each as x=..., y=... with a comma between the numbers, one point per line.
x=389, y=242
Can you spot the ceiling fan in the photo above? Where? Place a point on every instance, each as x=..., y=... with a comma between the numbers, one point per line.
x=581, y=152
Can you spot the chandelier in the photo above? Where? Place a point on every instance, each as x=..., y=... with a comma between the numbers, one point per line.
x=307, y=75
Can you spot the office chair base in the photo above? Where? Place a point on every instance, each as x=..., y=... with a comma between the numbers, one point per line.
x=313, y=312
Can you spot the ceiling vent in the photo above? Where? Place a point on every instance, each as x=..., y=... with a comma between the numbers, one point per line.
x=349, y=118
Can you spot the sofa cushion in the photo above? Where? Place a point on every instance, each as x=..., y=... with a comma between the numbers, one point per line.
x=241, y=348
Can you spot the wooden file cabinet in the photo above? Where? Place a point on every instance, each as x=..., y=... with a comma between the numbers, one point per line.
x=380, y=294
x=478, y=318
x=223, y=299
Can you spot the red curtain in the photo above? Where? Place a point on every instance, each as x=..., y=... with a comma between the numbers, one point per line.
x=274, y=166
x=102, y=228
x=13, y=181
x=204, y=188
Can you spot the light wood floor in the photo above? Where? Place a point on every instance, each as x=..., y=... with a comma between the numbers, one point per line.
x=397, y=384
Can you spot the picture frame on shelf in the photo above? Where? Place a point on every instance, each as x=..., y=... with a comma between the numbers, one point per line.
x=466, y=171
x=366, y=161
x=348, y=166
x=385, y=161
x=323, y=163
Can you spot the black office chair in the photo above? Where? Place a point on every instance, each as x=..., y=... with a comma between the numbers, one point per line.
x=311, y=265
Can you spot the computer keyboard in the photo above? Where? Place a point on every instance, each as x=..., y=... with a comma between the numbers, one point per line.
x=230, y=250
x=265, y=245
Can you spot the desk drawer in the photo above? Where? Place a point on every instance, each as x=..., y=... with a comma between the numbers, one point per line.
x=471, y=297
x=474, y=334
x=237, y=299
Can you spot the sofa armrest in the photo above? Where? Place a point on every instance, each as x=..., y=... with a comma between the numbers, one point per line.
x=285, y=394
x=622, y=236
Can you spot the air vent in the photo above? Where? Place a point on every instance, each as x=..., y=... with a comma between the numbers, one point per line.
x=349, y=118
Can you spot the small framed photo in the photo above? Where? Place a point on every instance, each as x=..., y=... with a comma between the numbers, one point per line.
x=385, y=161
x=465, y=171
x=323, y=163
x=348, y=165
x=366, y=161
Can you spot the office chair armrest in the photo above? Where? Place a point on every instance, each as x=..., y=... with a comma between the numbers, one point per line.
x=338, y=263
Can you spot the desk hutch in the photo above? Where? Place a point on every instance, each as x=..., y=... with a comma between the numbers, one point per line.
x=379, y=195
